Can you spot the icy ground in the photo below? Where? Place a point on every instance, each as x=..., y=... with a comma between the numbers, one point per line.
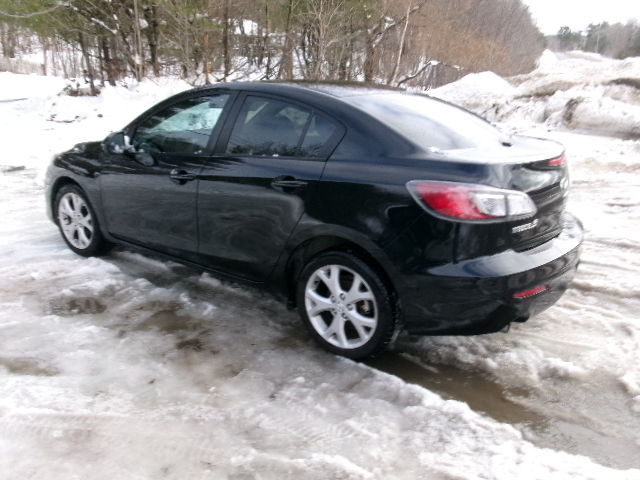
x=129, y=367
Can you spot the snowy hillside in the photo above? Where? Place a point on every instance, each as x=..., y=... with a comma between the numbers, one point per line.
x=576, y=90
x=130, y=367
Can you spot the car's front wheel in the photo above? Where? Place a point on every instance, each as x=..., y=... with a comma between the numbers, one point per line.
x=77, y=222
x=345, y=305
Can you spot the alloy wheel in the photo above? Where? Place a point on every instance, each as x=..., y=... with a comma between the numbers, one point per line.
x=341, y=306
x=75, y=220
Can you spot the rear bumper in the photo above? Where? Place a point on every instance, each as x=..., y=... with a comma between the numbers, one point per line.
x=476, y=296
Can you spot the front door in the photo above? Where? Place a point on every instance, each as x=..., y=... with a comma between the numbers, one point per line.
x=149, y=198
x=253, y=192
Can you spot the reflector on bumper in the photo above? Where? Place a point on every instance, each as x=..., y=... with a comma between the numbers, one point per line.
x=531, y=292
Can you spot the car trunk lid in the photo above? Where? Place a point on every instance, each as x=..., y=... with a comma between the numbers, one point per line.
x=534, y=166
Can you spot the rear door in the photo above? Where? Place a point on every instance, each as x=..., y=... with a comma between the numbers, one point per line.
x=149, y=198
x=254, y=189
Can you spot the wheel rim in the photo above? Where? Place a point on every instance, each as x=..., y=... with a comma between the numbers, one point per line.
x=341, y=306
x=75, y=220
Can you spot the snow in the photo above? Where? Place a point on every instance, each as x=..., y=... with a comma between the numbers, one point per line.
x=577, y=90
x=476, y=90
x=27, y=86
x=248, y=27
x=131, y=367
x=36, y=104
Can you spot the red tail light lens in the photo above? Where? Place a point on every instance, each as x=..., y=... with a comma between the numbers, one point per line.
x=449, y=200
x=557, y=162
x=470, y=202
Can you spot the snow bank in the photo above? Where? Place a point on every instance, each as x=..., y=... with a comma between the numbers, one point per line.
x=39, y=120
x=476, y=90
x=14, y=86
x=575, y=89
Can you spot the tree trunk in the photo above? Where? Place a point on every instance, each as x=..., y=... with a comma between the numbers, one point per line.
x=108, y=62
x=266, y=41
x=225, y=41
x=139, y=60
x=9, y=35
x=396, y=67
x=128, y=54
x=87, y=60
x=44, y=55
x=369, y=61
x=205, y=57
x=286, y=63
x=100, y=64
x=151, y=16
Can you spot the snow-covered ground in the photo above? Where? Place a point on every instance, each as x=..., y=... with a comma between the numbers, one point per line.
x=130, y=367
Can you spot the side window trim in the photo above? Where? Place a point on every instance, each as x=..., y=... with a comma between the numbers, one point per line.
x=230, y=121
x=234, y=112
x=131, y=129
x=305, y=129
x=334, y=140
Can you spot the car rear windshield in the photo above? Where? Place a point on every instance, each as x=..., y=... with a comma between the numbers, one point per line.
x=429, y=123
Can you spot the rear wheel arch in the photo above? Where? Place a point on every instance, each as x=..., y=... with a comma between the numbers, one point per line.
x=312, y=247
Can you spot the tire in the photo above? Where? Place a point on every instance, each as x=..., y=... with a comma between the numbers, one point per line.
x=353, y=317
x=78, y=223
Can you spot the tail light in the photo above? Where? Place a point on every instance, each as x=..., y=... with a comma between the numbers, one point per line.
x=471, y=203
x=557, y=162
x=554, y=164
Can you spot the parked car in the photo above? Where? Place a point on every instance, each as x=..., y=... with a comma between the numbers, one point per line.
x=367, y=209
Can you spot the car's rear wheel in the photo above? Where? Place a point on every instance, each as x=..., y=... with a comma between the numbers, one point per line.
x=78, y=223
x=345, y=305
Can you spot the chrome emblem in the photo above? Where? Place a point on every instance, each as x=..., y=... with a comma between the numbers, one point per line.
x=525, y=226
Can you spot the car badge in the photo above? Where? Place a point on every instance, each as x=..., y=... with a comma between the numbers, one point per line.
x=525, y=226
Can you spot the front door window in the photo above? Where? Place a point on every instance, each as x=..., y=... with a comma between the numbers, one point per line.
x=183, y=128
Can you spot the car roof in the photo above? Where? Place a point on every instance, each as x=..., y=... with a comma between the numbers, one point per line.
x=328, y=97
x=299, y=87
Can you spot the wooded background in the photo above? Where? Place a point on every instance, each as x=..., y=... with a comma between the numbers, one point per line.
x=422, y=43
x=617, y=40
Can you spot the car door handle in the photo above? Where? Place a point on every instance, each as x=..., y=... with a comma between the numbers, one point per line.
x=287, y=182
x=181, y=175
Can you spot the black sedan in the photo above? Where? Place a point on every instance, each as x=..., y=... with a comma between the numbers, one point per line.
x=368, y=209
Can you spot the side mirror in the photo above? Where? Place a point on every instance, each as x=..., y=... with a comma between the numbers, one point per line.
x=118, y=143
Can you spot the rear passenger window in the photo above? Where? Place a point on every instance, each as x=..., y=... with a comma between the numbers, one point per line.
x=319, y=132
x=268, y=127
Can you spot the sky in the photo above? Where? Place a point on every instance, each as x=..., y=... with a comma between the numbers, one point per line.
x=550, y=15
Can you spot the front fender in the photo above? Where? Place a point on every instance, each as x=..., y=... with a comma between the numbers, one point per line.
x=78, y=166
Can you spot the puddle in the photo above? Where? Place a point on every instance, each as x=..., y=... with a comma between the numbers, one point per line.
x=27, y=366
x=194, y=344
x=540, y=427
x=479, y=392
x=166, y=321
x=75, y=306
